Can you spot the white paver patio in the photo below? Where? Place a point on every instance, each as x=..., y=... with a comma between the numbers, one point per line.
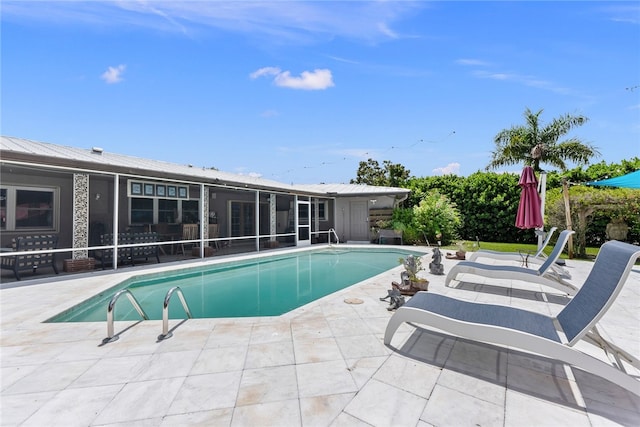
x=323, y=364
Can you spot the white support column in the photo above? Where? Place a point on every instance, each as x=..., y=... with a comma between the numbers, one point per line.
x=257, y=224
x=272, y=217
x=204, y=217
x=295, y=218
x=116, y=207
x=316, y=220
x=80, y=215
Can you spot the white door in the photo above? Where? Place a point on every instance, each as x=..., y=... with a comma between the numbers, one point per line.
x=304, y=223
x=359, y=221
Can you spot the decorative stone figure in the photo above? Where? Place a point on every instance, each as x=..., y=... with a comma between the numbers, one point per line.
x=435, y=266
x=617, y=230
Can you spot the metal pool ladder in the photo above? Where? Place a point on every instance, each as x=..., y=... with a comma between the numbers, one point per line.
x=165, y=311
x=111, y=308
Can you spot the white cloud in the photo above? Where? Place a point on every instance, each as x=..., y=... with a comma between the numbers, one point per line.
x=113, y=74
x=384, y=29
x=497, y=76
x=526, y=80
x=265, y=71
x=318, y=79
x=348, y=61
x=298, y=22
x=451, y=168
x=626, y=13
x=474, y=62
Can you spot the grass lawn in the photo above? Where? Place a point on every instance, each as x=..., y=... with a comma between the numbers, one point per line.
x=519, y=247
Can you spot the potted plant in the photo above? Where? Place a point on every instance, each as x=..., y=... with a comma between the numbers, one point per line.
x=411, y=283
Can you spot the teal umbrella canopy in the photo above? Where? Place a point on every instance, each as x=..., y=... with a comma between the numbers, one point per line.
x=630, y=180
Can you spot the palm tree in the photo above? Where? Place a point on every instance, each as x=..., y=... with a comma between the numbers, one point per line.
x=534, y=143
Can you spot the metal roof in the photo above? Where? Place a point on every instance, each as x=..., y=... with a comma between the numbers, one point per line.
x=12, y=148
x=352, y=189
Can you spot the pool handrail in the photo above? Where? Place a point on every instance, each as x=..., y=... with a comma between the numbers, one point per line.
x=111, y=309
x=333, y=230
x=165, y=311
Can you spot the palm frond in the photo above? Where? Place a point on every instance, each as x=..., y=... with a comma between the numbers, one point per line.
x=515, y=145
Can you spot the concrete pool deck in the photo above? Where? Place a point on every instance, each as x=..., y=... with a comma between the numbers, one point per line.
x=323, y=364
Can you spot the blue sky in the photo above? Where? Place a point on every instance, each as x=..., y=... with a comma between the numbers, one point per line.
x=301, y=92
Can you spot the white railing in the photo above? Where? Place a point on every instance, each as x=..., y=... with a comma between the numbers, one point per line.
x=333, y=231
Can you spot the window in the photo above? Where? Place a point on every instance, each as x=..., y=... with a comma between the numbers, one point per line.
x=303, y=213
x=322, y=210
x=242, y=219
x=34, y=209
x=167, y=210
x=190, y=212
x=154, y=203
x=145, y=210
x=27, y=208
x=153, y=190
x=141, y=211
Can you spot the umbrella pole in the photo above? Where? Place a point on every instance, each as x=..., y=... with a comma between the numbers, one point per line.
x=567, y=213
x=542, y=189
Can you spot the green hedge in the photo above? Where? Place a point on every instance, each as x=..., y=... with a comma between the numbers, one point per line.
x=487, y=203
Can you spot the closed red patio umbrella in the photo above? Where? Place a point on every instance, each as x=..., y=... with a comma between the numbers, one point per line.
x=529, y=210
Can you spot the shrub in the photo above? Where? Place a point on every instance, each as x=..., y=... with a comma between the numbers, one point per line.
x=437, y=218
x=402, y=220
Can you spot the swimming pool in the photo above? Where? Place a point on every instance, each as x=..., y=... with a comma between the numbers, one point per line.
x=267, y=286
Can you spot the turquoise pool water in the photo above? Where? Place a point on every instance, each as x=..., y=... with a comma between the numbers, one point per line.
x=267, y=286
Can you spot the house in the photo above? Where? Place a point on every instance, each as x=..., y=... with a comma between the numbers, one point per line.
x=83, y=194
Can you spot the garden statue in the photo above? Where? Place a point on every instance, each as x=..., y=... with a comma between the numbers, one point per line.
x=435, y=266
x=617, y=229
x=395, y=298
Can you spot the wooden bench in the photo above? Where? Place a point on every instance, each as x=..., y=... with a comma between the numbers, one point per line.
x=130, y=254
x=389, y=234
x=19, y=263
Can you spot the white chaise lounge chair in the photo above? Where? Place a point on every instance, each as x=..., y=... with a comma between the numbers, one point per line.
x=552, y=337
x=514, y=256
x=537, y=258
x=544, y=275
